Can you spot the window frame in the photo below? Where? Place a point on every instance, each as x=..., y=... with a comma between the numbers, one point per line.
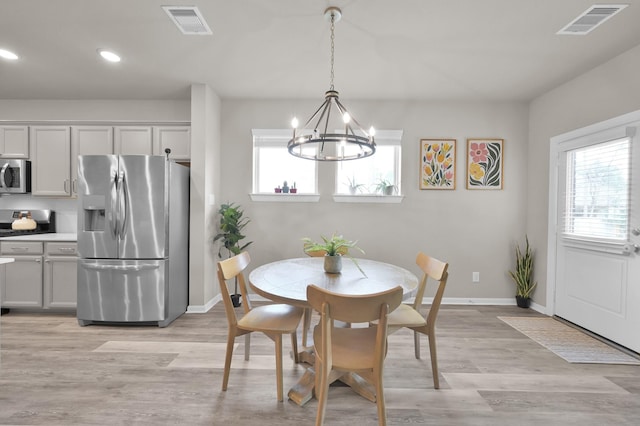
x=385, y=138
x=276, y=138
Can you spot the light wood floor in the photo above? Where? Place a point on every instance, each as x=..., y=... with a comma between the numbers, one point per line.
x=54, y=372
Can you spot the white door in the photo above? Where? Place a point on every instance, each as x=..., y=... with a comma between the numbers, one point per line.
x=597, y=266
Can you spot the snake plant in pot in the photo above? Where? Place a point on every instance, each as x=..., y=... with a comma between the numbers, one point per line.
x=230, y=234
x=523, y=275
x=333, y=249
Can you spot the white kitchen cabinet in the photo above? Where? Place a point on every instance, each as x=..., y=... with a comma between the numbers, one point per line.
x=22, y=280
x=60, y=275
x=176, y=138
x=14, y=142
x=51, y=160
x=88, y=140
x=133, y=140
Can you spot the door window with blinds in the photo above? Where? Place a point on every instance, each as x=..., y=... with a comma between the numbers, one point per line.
x=597, y=191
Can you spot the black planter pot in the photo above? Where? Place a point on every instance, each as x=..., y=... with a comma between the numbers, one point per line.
x=523, y=302
x=235, y=299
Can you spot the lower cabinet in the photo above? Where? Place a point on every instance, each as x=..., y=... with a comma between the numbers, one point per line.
x=43, y=275
x=60, y=275
x=22, y=280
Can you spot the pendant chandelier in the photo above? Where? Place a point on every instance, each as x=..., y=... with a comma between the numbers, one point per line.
x=320, y=130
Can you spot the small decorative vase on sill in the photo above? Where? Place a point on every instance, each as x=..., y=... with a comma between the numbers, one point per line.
x=333, y=264
x=285, y=187
x=293, y=189
x=278, y=190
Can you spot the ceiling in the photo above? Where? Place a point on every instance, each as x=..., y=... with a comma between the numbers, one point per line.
x=472, y=50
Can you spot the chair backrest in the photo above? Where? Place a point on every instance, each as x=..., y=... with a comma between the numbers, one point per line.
x=353, y=308
x=436, y=270
x=229, y=269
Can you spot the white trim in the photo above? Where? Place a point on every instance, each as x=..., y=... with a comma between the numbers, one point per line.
x=286, y=198
x=203, y=309
x=343, y=198
x=611, y=127
x=511, y=301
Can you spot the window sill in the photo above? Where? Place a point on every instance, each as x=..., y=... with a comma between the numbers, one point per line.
x=388, y=199
x=286, y=198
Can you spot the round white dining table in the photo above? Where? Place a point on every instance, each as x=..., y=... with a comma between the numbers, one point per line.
x=286, y=281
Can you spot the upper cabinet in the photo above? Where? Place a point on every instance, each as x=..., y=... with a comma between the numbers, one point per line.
x=133, y=140
x=175, y=138
x=88, y=140
x=14, y=142
x=55, y=149
x=51, y=160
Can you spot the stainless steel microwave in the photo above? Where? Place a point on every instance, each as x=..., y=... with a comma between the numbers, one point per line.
x=15, y=176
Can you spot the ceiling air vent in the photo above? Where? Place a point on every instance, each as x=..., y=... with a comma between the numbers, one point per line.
x=591, y=18
x=188, y=19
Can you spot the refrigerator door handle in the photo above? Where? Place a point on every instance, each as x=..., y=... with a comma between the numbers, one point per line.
x=114, y=203
x=125, y=268
x=122, y=196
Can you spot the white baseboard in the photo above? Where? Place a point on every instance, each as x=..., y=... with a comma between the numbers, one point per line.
x=201, y=309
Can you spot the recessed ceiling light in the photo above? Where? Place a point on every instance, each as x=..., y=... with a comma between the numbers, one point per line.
x=109, y=55
x=8, y=55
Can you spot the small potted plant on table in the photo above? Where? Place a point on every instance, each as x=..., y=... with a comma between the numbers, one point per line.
x=334, y=248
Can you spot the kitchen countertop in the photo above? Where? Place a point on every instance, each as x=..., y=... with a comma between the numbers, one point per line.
x=58, y=236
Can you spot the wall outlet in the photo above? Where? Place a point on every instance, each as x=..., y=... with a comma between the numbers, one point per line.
x=476, y=277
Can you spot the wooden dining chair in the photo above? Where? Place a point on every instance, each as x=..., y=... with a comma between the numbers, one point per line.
x=409, y=316
x=273, y=320
x=359, y=350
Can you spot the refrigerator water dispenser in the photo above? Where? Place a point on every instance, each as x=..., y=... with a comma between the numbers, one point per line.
x=94, y=213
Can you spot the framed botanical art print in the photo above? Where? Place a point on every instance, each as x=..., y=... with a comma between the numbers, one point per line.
x=437, y=164
x=485, y=163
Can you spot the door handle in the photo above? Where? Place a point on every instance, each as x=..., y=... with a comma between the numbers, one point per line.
x=635, y=231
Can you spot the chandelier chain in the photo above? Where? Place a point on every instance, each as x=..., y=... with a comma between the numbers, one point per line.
x=333, y=17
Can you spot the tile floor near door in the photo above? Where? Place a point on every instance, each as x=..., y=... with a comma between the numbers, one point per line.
x=54, y=372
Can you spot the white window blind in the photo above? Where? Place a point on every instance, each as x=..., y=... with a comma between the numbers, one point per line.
x=598, y=189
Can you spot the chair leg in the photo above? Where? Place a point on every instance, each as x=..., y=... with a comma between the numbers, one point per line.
x=434, y=361
x=278, y=339
x=382, y=412
x=321, y=389
x=227, y=360
x=294, y=347
x=247, y=346
x=416, y=343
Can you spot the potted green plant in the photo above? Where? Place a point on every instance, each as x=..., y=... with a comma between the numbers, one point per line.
x=385, y=187
x=230, y=234
x=334, y=248
x=523, y=275
x=354, y=186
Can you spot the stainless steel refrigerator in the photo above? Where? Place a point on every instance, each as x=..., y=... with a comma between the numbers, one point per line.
x=133, y=227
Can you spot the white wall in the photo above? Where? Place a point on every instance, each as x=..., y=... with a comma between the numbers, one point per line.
x=608, y=91
x=472, y=230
